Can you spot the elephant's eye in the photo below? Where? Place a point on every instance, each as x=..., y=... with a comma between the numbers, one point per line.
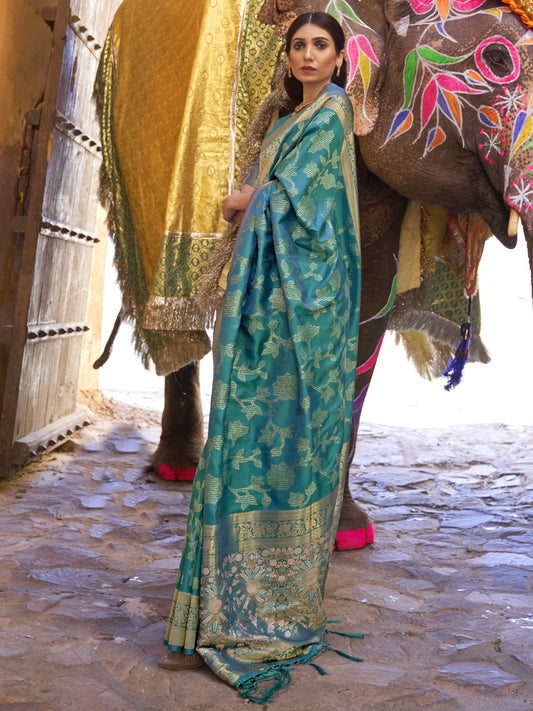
x=498, y=58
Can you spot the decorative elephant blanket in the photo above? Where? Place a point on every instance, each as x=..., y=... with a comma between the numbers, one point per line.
x=176, y=87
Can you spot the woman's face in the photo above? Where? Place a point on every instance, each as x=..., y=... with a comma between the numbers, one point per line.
x=313, y=57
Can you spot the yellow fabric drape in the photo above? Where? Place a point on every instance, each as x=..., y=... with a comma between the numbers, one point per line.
x=172, y=129
x=423, y=230
x=183, y=92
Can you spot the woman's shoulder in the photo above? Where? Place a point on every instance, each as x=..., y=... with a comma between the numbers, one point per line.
x=336, y=99
x=336, y=96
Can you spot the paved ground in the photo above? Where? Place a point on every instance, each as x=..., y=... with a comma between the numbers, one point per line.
x=91, y=546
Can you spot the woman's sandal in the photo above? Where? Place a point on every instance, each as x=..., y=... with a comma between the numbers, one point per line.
x=357, y=538
x=179, y=660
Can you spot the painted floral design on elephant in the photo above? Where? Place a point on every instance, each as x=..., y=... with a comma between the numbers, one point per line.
x=361, y=56
x=445, y=91
x=440, y=94
x=508, y=128
x=436, y=11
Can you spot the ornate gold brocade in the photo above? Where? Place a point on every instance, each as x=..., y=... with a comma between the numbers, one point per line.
x=181, y=84
x=243, y=532
x=260, y=55
x=153, y=117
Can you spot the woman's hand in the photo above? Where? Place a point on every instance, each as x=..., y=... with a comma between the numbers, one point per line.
x=230, y=208
x=234, y=217
x=234, y=205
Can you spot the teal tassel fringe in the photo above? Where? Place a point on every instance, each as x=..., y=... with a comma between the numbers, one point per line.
x=345, y=634
x=319, y=669
x=345, y=655
x=279, y=674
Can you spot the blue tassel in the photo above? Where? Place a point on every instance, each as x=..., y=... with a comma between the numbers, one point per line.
x=454, y=369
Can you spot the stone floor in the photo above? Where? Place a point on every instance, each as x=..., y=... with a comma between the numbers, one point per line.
x=91, y=545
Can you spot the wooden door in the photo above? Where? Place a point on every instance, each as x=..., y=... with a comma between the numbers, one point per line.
x=58, y=227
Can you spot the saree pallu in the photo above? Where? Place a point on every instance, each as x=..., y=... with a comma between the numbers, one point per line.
x=268, y=489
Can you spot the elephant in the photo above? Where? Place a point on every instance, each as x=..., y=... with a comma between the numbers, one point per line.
x=442, y=92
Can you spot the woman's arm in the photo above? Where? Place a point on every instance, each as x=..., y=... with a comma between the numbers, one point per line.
x=235, y=204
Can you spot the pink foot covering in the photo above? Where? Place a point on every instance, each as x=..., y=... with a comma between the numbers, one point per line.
x=356, y=538
x=176, y=473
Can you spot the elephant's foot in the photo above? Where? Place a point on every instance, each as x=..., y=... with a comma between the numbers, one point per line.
x=182, y=427
x=178, y=453
x=179, y=660
x=355, y=529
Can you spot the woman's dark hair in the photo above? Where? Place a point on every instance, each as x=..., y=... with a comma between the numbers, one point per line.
x=294, y=87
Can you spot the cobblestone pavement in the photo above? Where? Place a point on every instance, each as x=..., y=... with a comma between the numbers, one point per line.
x=91, y=545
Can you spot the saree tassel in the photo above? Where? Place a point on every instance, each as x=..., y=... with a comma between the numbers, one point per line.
x=346, y=634
x=455, y=367
x=279, y=675
x=319, y=669
x=346, y=655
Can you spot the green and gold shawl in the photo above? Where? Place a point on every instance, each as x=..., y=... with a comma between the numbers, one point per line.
x=267, y=493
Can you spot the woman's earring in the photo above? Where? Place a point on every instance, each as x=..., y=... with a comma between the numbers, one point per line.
x=338, y=71
x=289, y=73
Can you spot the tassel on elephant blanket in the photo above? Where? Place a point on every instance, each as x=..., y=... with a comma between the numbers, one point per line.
x=454, y=370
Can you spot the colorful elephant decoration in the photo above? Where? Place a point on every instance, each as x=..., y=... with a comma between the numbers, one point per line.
x=441, y=86
x=443, y=114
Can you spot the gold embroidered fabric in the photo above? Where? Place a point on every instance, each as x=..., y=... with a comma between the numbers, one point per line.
x=164, y=84
x=182, y=83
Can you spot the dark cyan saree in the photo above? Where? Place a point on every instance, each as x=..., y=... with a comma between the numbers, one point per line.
x=267, y=493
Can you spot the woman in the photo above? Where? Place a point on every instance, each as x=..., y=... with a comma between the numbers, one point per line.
x=267, y=494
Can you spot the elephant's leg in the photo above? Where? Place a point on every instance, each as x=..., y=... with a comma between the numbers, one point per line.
x=182, y=425
x=381, y=217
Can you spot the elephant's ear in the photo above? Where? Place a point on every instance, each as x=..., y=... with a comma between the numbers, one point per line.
x=367, y=53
